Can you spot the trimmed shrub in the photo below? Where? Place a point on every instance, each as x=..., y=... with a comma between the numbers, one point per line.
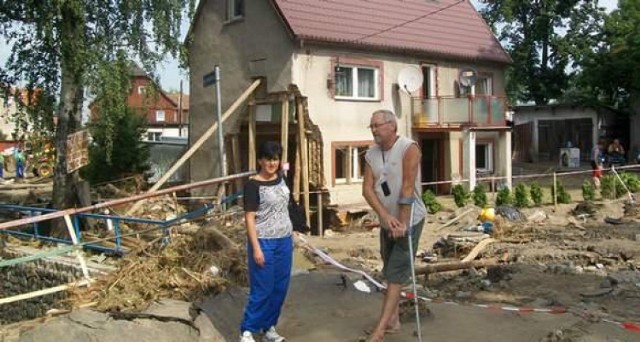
x=504, y=197
x=588, y=191
x=562, y=196
x=536, y=194
x=480, y=196
x=431, y=202
x=521, y=199
x=460, y=195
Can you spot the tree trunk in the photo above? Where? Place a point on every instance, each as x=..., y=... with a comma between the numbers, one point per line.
x=70, y=110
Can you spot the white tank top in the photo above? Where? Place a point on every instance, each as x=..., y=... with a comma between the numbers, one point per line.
x=387, y=166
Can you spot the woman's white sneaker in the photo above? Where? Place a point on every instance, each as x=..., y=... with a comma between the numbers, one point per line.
x=247, y=337
x=272, y=336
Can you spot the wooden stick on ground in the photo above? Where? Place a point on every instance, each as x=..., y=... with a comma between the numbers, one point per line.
x=477, y=249
x=455, y=219
x=453, y=266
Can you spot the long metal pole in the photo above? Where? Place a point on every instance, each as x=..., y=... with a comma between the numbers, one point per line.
x=223, y=159
x=412, y=255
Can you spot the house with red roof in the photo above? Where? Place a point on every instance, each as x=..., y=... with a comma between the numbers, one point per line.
x=330, y=64
x=167, y=113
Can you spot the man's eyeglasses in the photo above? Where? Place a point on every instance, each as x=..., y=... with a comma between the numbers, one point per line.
x=377, y=125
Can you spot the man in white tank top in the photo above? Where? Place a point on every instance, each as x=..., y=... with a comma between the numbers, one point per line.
x=391, y=184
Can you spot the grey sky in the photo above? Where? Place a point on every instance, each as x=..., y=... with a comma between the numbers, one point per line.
x=170, y=73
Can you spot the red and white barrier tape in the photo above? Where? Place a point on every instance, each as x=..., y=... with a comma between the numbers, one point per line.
x=635, y=327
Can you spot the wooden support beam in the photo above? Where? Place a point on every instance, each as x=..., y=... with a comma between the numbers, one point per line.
x=453, y=266
x=252, y=137
x=196, y=146
x=297, y=174
x=304, y=160
x=235, y=147
x=284, y=130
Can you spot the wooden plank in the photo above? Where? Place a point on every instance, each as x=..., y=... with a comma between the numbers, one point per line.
x=477, y=249
x=235, y=147
x=304, y=160
x=284, y=130
x=252, y=137
x=196, y=146
x=297, y=174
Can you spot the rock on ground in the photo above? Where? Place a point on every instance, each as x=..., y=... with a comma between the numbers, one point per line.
x=168, y=320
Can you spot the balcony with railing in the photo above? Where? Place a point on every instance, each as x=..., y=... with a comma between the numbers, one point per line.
x=454, y=112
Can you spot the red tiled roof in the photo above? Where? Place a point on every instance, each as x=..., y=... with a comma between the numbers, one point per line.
x=441, y=27
x=175, y=97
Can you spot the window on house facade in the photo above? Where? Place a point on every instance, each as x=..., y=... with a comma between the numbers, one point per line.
x=349, y=163
x=356, y=82
x=235, y=9
x=160, y=116
x=482, y=87
x=141, y=90
x=154, y=136
x=484, y=157
x=428, y=81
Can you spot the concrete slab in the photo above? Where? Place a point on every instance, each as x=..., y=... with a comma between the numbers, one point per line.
x=319, y=308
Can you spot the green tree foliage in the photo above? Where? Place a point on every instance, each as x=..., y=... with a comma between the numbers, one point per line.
x=536, y=194
x=543, y=38
x=128, y=154
x=588, y=191
x=521, y=199
x=504, y=197
x=610, y=70
x=460, y=195
x=480, y=196
x=431, y=202
x=74, y=47
x=611, y=187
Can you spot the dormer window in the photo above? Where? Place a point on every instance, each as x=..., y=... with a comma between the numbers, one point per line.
x=235, y=9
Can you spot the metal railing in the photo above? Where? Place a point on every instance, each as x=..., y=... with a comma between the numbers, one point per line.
x=445, y=111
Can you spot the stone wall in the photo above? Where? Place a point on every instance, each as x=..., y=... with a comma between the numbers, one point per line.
x=33, y=276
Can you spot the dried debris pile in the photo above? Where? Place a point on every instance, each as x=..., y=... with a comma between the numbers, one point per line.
x=191, y=266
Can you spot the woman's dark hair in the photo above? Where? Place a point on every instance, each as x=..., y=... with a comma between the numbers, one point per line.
x=269, y=150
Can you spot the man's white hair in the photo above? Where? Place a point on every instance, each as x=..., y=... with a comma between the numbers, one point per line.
x=388, y=116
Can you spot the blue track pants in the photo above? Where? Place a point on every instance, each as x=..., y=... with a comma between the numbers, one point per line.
x=268, y=284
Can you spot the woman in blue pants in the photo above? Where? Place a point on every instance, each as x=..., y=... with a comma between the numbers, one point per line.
x=270, y=246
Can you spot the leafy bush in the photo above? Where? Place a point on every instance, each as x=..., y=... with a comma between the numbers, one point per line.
x=521, y=199
x=536, y=194
x=431, y=202
x=610, y=186
x=504, y=197
x=588, y=191
x=460, y=195
x=562, y=196
x=631, y=180
x=129, y=154
x=480, y=196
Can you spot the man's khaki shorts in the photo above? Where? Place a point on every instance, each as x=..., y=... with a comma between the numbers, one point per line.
x=395, y=254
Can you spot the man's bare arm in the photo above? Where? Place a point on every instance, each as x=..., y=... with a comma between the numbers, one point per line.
x=410, y=167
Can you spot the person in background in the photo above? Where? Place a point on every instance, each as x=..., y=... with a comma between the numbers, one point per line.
x=616, y=148
x=20, y=163
x=597, y=161
x=391, y=186
x=270, y=245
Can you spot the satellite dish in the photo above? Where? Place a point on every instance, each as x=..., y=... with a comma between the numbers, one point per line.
x=410, y=79
x=467, y=77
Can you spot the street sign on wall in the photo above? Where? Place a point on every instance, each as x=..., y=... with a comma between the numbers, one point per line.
x=77, y=153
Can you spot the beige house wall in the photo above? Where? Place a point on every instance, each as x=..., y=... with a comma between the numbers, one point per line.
x=347, y=120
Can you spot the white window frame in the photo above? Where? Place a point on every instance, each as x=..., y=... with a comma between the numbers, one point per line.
x=160, y=115
x=154, y=136
x=141, y=90
x=354, y=82
x=355, y=163
x=472, y=90
x=231, y=10
x=489, y=157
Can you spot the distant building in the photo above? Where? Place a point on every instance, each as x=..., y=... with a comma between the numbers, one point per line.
x=167, y=113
